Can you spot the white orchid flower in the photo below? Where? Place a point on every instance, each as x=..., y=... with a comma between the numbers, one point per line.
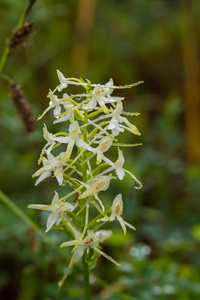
x=101, y=95
x=120, y=171
x=51, y=140
x=51, y=164
x=64, y=82
x=117, y=210
x=53, y=103
x=93, y=187
x=92, y=240
x=74, y=139
x=93, y=119
x=104, y=145
x=69, y=111
x=115, y=123
x=56, y=210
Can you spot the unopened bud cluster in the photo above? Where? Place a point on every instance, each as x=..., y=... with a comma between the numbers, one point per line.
x=94, y=119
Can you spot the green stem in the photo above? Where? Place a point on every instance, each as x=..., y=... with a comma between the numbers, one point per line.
x=86, y=279
x=86, y=274
x=7, y=49
x=4, y=58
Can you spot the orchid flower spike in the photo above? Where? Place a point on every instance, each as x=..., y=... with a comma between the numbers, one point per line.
x=83, y=157
x=56, y=210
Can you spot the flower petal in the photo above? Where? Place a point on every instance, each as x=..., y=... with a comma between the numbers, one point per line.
x=52, y=219
x=130, y=226
x=121, y=221
x=42, y=177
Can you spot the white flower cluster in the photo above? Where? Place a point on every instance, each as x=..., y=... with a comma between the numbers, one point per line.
x=95, y=118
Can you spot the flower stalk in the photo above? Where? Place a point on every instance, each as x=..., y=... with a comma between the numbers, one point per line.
x=86, y=278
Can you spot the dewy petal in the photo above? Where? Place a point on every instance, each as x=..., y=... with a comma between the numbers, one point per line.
x=52, y=219
x=136, y=180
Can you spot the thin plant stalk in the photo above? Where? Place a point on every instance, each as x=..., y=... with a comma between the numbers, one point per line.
x=86, y=277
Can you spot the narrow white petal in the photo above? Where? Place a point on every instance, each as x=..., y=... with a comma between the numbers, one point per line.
x=62, y=139
x=69, y=243
x=108, y=257
x=55, y=198
x=48, y=150
x=52, y=219
x=136, y=180
x=36, y=206
x=100, y=202
x=70, y=147
x=62, y=119
x=99, y=157
x=121, y=221
x=130, y=226
x=108, y=161
x=59, y=177
x=42, y=177
x=57, y=110
x=90, y=105
x=120, y=173
x=83, y=145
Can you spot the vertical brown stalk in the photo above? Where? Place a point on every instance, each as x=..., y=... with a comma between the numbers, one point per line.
x=23, y=107
x=84, y=24
x=191, y=81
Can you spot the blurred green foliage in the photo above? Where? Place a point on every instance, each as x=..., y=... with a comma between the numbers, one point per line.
x=129, y=41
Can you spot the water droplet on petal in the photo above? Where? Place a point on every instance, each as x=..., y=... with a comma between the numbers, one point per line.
x=137, y=185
